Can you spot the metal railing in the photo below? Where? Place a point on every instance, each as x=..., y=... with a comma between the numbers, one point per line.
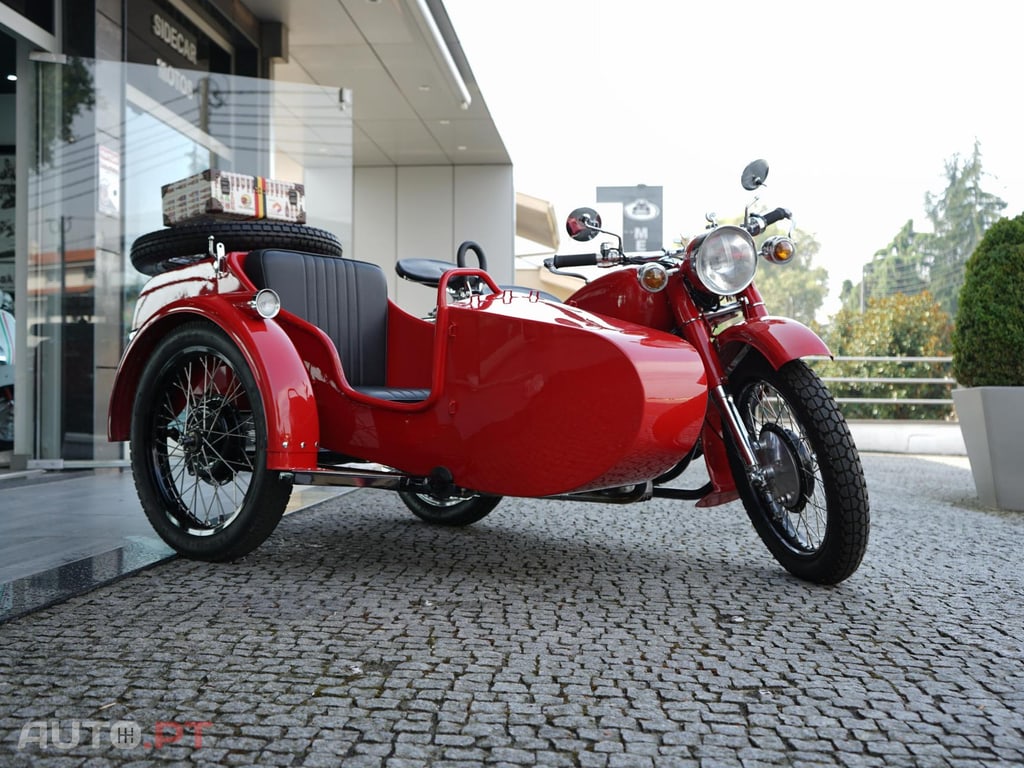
x=947, y=380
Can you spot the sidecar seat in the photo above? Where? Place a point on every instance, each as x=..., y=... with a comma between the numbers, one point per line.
x=347, y=300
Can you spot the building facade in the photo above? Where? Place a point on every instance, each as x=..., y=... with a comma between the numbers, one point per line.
x=104, y=101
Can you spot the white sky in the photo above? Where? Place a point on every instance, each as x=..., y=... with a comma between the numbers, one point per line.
x=856, y=105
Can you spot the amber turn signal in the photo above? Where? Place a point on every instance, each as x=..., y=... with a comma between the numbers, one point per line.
x=778, y=250
x=652, y=277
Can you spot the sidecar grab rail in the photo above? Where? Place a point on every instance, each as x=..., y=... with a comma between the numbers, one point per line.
x=442, y=286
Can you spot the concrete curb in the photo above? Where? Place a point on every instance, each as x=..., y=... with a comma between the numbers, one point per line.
x=916, y=437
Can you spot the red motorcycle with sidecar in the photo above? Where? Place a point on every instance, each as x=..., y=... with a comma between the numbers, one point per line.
x=261, y=358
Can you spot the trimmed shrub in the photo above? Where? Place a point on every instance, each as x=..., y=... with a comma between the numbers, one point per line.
x=988, y=333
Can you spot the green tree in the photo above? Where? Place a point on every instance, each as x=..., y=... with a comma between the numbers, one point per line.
x=796, y=289
x=900, y=267
x=895, y=326
x=67, y=92
x=934, y=261
x=960, y=217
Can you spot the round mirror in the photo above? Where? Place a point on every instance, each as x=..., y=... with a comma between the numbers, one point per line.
x=583, y=224
x=754, y=174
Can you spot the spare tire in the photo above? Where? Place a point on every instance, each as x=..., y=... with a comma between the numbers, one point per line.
x=184, y=244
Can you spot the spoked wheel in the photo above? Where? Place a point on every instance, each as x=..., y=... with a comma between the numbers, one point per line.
x=812, y=510
x=452, y=511
x=199, y=448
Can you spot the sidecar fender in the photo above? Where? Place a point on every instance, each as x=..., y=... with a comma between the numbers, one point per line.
x=778, y=339
x=293, y=430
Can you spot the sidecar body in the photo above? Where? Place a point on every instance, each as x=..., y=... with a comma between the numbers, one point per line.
x=508, y=393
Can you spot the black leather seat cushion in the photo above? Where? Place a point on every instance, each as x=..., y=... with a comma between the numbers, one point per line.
x=347, y=299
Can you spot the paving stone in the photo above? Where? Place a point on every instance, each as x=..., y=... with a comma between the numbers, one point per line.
x=548, y=634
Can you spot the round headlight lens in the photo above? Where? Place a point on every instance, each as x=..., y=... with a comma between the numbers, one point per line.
x=726, y=261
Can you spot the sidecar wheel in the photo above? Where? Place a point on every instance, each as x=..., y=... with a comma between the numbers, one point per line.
x=454, y=511
x=199, y=448
x=813, y=514
x=184, y=244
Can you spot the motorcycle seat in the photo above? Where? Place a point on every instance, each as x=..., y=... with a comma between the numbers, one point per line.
x=425, y=271
x=347, y=300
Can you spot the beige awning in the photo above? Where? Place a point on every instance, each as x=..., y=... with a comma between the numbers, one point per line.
x=535, y=220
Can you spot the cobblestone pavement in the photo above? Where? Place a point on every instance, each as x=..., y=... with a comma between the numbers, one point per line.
x=550, y=634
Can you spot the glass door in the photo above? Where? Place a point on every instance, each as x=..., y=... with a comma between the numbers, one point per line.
x=108, y=139
x=8, y=173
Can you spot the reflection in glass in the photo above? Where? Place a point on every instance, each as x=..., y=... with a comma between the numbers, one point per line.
x=110, y=136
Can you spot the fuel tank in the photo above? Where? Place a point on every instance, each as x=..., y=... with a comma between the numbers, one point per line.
x=618, y=294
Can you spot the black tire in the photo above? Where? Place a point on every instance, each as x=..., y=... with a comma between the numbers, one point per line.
x=814, y=514
x=199, y=448
x=184, y=244
x=455, y=511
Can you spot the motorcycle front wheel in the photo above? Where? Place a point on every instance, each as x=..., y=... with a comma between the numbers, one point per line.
x=199, y=448
x=453, y=511
x=812, y=512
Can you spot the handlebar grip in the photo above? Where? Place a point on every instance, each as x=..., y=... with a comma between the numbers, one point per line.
x=777, y=215
x=574, y=260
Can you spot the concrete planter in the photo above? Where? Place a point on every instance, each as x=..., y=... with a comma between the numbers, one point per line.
x=992, y=423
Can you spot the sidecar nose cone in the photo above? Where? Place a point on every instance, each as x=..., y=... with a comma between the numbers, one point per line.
x=266, y=303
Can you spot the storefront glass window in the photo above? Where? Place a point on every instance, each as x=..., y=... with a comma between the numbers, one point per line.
x=109, y=136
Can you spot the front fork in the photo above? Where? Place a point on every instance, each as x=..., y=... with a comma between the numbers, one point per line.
x=746, y=445
x=695, y=330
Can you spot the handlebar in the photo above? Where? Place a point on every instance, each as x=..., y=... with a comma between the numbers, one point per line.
x=755, y=224
x=777, y=215
x=574, y=260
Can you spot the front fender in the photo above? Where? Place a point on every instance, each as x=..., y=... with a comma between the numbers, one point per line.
x=293, y=428
x=778, y=339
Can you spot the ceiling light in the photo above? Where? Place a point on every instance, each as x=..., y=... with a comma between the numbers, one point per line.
x=12, y=78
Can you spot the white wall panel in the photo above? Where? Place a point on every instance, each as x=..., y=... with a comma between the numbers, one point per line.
x=329, y=203
x=425, y=212
x=485, y=208
x=424, y=225
x=375, y=223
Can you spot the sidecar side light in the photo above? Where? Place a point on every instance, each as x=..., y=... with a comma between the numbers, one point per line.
x=726, y=260
x=652, y=277
x=778, y=250
x=266, y=303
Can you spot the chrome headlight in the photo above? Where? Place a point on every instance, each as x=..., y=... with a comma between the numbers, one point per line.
x=266, y=303
x=726, y=261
